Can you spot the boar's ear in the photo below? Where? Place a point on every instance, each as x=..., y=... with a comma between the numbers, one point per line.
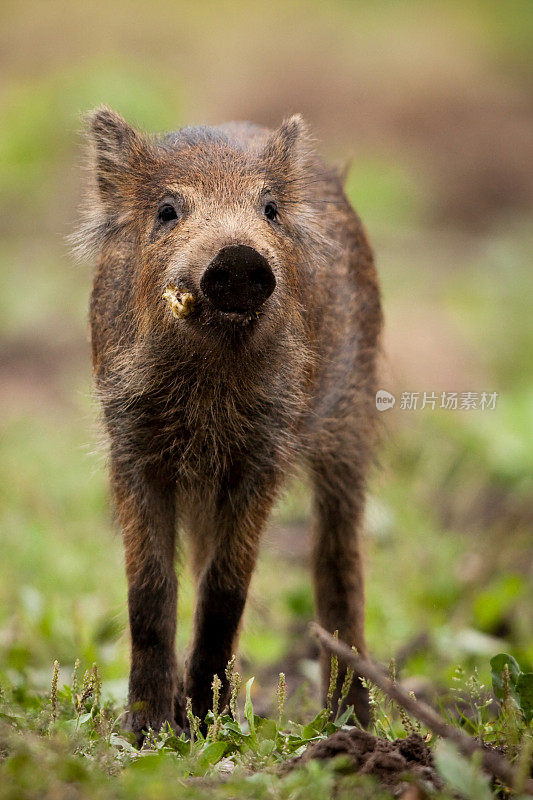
x=288, y=150
x=118, y=159
x=115, y=148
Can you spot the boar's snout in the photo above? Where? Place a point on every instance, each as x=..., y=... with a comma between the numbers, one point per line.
x=238, y=279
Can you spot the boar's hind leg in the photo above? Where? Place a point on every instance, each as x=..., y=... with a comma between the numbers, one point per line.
x=337, y=568
x=223, y=582
x=146, y=507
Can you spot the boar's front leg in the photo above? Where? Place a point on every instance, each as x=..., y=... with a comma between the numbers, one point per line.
x=224, y=573
x=145, y=499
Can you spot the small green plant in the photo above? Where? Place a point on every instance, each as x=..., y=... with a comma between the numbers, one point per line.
x=53, y=692
x=234, y=680
x=462, y=775
x=473, y=704
x=281, y=694
x=215, y=725
x=512, y=686
x=390, y=720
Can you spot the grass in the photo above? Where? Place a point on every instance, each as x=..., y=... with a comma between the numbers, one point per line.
x=70, y=743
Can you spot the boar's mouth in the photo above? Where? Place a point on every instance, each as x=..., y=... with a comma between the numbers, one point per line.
x=239, y=317
x=183, y=304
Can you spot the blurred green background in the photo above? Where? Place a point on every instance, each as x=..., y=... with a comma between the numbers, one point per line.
x=430, y=102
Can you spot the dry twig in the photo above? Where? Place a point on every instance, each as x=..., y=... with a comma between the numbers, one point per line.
x=492, y=761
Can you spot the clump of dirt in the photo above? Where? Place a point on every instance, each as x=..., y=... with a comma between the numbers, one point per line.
x=392, y=763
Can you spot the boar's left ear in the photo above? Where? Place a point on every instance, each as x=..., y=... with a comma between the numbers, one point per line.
x=289, y=148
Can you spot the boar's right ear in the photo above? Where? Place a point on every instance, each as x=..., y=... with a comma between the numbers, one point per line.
x=118, y=157
x=114, y=148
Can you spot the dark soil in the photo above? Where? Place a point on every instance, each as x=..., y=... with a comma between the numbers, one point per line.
x=392, y=763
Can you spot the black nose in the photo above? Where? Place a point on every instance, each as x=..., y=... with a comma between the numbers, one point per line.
x=238, y=279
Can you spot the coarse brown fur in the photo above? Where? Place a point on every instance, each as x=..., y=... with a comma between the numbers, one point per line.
x=207, y=414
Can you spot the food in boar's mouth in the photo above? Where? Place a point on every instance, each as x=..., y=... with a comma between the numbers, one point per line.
x=180, y=303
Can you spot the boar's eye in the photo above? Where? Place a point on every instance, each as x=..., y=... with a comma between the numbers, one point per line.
x=271, y=211
x=166, y=213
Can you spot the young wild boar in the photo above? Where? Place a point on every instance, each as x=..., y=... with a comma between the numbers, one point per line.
x=235, y=320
